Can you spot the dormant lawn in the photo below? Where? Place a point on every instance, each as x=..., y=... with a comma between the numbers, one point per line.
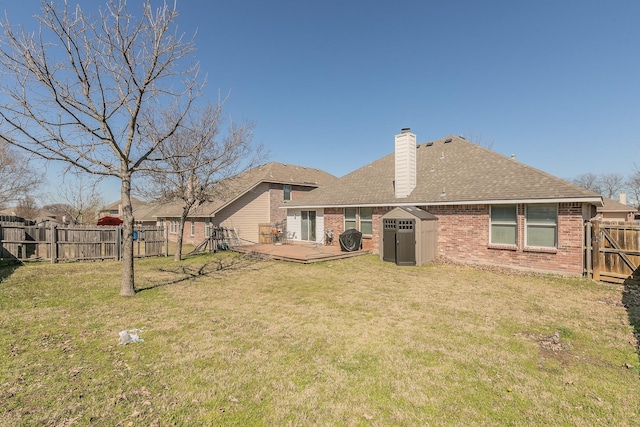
x=233, y=341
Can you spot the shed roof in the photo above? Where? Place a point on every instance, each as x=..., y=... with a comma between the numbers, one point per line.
x=413, y=211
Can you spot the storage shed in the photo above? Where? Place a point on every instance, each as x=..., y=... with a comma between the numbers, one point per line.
x=409, y=237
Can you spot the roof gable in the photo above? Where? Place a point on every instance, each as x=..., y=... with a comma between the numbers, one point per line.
x=233, y=188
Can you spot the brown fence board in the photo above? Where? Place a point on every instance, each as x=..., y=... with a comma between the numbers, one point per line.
x=615, y=251
x=74, y=243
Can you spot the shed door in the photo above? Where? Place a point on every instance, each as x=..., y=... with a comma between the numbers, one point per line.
x=389, y=240
x=406, y=242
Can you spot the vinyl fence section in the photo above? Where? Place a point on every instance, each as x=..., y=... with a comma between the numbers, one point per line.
x=613, y=251
x=74, y=243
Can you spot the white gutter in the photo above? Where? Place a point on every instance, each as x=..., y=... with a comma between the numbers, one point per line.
x=595, y=200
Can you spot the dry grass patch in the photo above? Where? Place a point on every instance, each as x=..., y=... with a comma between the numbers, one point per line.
x=234, y=341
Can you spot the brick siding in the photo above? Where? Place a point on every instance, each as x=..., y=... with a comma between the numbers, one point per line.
x=463, y=235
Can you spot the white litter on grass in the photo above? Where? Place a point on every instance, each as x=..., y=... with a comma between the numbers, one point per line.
x=129, y=336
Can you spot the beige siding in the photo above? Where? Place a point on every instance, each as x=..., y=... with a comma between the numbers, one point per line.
x=246, y=213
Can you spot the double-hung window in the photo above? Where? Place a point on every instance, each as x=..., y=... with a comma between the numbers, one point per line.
x=349, y=218
x=207, y=227
x=504, y=225
x=193, y=227
x=366, y=220
x=287, y=192
x=542, y=225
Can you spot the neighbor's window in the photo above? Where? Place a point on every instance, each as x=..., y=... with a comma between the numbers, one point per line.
x=504, y=224
x=349, y=218
x=193, y=227
x=287, y=192
x=542, y=225
x=207, y=227
x=366, y=220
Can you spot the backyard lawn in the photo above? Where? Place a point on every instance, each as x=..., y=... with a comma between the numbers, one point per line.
x=229, y=340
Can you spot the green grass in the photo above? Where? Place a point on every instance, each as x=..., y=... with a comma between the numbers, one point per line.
x=234, y=341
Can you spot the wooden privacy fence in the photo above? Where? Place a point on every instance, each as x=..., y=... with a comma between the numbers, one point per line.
x=22, y=242
x=612, y=251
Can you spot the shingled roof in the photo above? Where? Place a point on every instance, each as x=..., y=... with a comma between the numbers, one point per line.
x=450, y=171
x=273, y=172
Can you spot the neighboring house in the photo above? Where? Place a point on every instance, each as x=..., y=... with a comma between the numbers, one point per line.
x=142, y=212
x=616, y=211
x=248, y=200
x=490, y=209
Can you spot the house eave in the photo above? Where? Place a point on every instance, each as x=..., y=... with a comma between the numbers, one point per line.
x=597, y=201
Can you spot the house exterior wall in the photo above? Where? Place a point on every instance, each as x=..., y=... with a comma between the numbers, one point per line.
x=463, y=235
x=260, y=205
x=294, y=224
x=188, y=237
x=334, y=219
x=245, y=213
x=276, y=200
x=616, y=216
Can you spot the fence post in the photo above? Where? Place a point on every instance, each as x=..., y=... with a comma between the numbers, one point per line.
x=119, y=243
x=588, y=247
x=595, y=241
x=54, y=243
x=166, y=241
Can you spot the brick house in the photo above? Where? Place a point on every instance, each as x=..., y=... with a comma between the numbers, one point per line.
x=250, y=199
x=616, y=211
x=491, y=209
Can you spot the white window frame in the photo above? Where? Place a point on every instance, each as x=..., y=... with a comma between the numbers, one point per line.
x=207, y=227
x=529, y=223
x=193, y=227
x=509, y=223
x=354, y=220
x=368, y=221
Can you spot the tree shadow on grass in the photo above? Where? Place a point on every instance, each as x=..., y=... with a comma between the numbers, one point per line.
x=7, y=269
x=184, y=273
x=631, y=301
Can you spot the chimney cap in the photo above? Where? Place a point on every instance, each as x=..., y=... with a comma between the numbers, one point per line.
x=405, y=130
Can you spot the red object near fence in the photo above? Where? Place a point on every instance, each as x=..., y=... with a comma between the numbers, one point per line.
x=109, y=220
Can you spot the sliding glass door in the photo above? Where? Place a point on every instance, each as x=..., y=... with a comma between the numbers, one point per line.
x=308, y=225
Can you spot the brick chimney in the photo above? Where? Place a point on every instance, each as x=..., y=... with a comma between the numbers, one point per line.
x=405, y=163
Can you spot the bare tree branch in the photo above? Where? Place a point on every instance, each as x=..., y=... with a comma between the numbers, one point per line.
x=197, y=158
x=91, y=92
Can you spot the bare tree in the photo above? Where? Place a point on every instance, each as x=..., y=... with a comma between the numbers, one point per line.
x=589, y=181
x=89, y=91
x=197, y=158
x=612, y=184
x=78, y=200
x=633, y=185
x=17, y=177
x=27, y=207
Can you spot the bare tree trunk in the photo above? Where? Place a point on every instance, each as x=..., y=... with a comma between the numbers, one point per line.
x=183, y=220
x=127, y=287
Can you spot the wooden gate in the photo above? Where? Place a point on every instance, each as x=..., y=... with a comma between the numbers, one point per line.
x=613, y=251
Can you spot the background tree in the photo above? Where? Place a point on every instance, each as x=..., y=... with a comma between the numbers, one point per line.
x=633, y=185
x=197, y=158
x=18, y=178
x=612, y=185
x=27, y=208
x=589, y=181
x=78, y=201
x=89, y=91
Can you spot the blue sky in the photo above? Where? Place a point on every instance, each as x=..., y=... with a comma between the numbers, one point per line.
x=328, y=83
